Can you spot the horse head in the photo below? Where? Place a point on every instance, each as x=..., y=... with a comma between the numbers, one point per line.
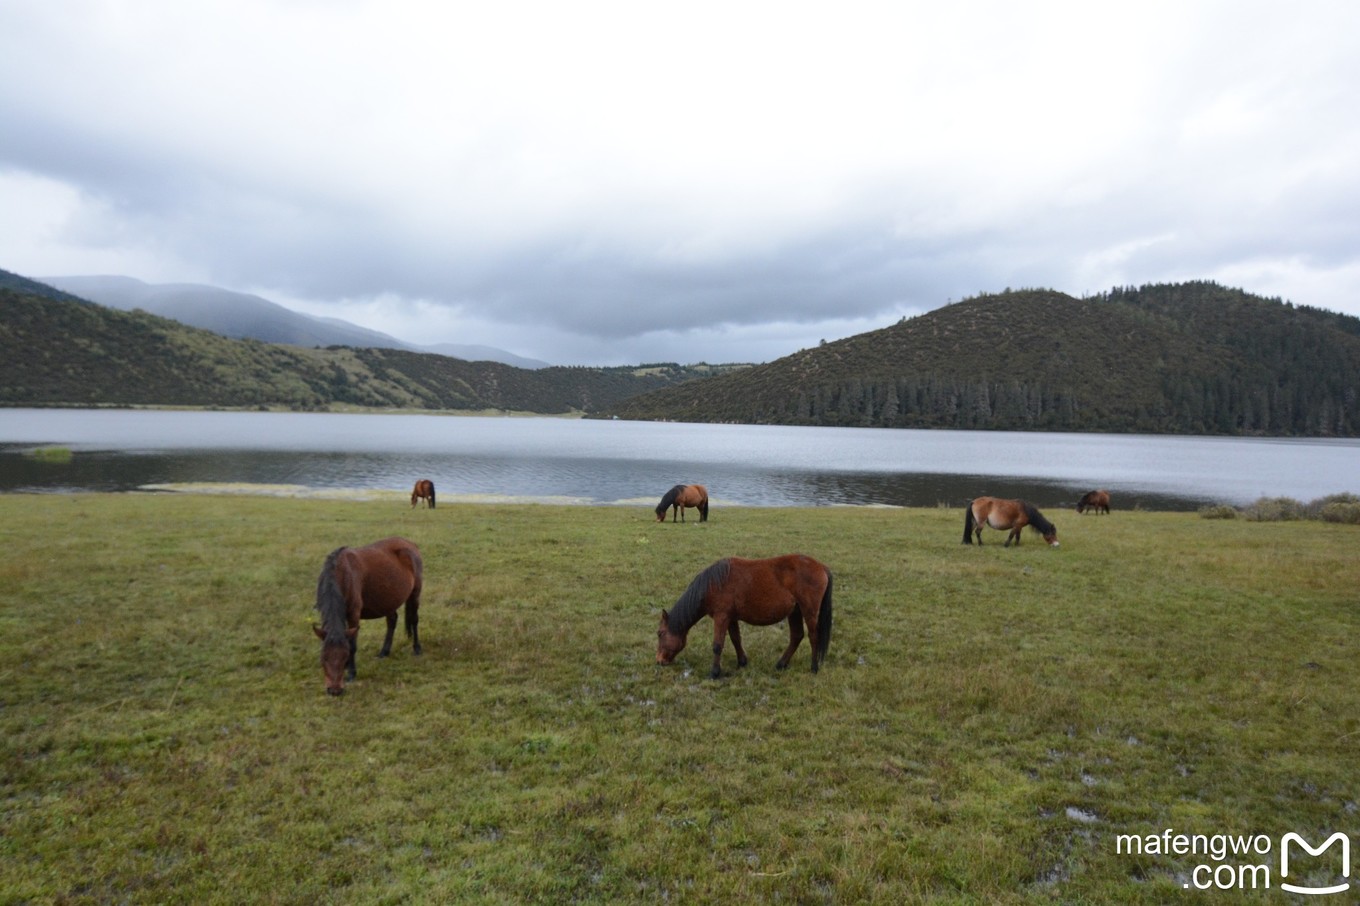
x=668, y=644
x=335, y=658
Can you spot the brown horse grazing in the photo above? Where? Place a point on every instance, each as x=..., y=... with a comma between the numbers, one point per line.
x=681, y=496
x=424, y=490
x=1005, y=514
x=1097, y=501
x=364, y=583
x=759, y=592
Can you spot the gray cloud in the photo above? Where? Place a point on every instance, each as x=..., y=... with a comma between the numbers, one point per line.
x=614, y=184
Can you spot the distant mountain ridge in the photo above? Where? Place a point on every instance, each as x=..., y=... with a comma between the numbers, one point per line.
x=60, y=350
x=244, y=316
x=1191, y=358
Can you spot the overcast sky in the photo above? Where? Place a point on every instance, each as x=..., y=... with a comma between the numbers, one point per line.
x=614, y=183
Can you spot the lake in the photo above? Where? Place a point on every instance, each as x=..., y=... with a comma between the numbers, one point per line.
x=620, y=462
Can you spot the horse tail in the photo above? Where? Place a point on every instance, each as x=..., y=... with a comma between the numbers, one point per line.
x=824, y=621
x=409, y=617
x=330, y=600
x=968, y=523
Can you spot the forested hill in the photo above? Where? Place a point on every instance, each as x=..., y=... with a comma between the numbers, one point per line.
x=1192, y=358
x=59, y=350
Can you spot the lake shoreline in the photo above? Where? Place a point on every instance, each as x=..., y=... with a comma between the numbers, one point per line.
x=603, y=462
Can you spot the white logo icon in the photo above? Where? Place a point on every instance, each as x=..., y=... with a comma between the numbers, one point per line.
x=1345, y=862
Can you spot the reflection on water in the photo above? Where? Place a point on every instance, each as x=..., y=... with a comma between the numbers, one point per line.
x=609, y=462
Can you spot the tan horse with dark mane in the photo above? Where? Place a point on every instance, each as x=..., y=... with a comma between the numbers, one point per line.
x=760, y=592
x=1003, y=515
x=680, y=497
x=424, y=490
x=1096, y=501
x=365, y=583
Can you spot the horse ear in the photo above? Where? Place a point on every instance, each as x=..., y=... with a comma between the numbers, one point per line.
x=320, y=633
x=351, y=632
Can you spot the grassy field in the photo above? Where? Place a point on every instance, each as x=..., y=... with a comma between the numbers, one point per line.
x=986, y=725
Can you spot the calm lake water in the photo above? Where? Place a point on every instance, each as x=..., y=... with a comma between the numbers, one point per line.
x=608, y=462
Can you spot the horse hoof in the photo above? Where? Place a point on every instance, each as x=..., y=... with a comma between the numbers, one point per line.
x=781, y=665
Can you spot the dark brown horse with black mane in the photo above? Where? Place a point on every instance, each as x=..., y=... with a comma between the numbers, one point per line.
x=1005, y=514
x=365, y=583
x=680, y=497
x=1096, y=501
x=424, y=490
x=759, y=592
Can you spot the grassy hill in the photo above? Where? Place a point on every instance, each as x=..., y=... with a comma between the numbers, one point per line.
x=1190, y=358
x=1193, y=358
x=56, y=349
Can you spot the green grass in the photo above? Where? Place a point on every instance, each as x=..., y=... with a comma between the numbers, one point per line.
x=55, y=455
x=166, y=736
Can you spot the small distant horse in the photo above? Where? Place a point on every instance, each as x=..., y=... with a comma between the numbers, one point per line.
x=1005, y=514
x=759, y=592
x=364, y=583
x=680, y=497
x=1097, y=501
x=424, y=490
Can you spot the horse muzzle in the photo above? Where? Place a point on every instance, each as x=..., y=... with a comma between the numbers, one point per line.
x=335, y=690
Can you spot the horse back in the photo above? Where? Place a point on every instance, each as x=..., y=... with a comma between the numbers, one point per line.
x=386, y=574
x=999, y=513
x=767, y=591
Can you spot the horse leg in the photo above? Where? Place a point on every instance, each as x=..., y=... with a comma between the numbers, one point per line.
x=719, y=633
x=387, y=641
x=1014, y=536
x=811, y=620
x=735, y=634
x=795, y=638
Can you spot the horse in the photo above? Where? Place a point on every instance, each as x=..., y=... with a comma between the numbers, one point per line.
x=424, y=490
x=364, y=583
x=759, y=592
x=1005, y=514
x=680, y=497
x=1097, y=501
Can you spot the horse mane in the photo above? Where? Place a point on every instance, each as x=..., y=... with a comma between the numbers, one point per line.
x=330, y=601
x=1037, y=520
x=690, y=608
x=669, y=499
